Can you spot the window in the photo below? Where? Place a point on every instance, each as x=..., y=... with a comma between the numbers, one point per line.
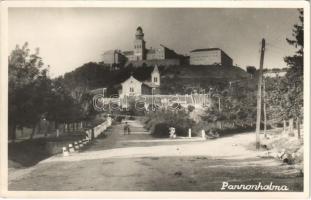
x=131, y=89
x=155, y=79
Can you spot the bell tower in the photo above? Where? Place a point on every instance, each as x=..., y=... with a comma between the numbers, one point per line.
x=139, y=45
x=155, y=76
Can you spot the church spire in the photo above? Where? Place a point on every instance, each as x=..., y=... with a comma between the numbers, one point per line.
x=155, y=69
x=155, y=75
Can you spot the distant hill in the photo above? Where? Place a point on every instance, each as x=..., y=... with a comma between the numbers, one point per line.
x=174, y=79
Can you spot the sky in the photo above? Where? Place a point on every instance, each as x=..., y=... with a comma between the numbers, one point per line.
x=70, y=37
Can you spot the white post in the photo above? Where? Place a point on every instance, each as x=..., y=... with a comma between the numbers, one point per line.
x=203, y=134
x=57, y=132
x=71, y=149
x=189, y=133
x=65, y=152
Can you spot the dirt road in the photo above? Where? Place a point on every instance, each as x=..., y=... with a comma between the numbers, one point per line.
x=138, y=162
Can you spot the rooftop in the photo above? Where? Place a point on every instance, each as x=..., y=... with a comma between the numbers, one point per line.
x=128, y=52
x=207, y=49
x=150, y=84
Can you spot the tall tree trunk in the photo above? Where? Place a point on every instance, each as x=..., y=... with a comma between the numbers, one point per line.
x=298, y=127
x=291, y=127
x=22, y=131
x=12, y=132
x=45, y=128
x=56, y=127
x=33, y=131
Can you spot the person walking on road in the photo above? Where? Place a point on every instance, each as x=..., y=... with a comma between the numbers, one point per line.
x=126, y=129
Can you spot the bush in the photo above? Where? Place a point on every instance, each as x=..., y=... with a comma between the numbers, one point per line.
x=159, y=122
x=204, y=125
x=191, y=108
x=161, y=130
x=132, y=118
x=119, y=118
x=225, y=128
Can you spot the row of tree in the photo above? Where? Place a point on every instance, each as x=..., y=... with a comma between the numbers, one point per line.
x=284, y=95
x=34, y=96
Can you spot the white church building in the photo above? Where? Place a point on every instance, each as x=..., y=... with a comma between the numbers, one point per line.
x=134, y=87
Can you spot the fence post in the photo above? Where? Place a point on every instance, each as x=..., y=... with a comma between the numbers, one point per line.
x=189, y=132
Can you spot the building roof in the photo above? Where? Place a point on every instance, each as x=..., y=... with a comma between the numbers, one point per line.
x=145, y=81
x=109, y=52
x=127, y=53
x=150, y=84
x=207, y=49
x=112, y=51
x=167, y=48
x=131, y=78
x=155, y=69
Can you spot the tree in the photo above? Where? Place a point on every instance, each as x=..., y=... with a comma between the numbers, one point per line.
x=34, y=96
x=62, y=106
x=294, y=76
x=25, y=72
x=285, y=94
x=238, y=106
x=251, y=70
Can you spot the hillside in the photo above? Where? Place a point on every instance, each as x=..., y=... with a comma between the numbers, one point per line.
x=183, y=79
x=174, y=79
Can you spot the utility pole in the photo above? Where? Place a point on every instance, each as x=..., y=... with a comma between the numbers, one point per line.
x=262, y=53
x=264, y=107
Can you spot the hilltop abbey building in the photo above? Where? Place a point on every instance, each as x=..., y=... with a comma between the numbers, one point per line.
x=141, y=55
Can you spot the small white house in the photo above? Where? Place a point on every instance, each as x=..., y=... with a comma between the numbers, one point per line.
x=131, y=87
x=134, y=87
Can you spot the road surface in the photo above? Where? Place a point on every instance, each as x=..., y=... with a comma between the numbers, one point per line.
x=139, y=162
